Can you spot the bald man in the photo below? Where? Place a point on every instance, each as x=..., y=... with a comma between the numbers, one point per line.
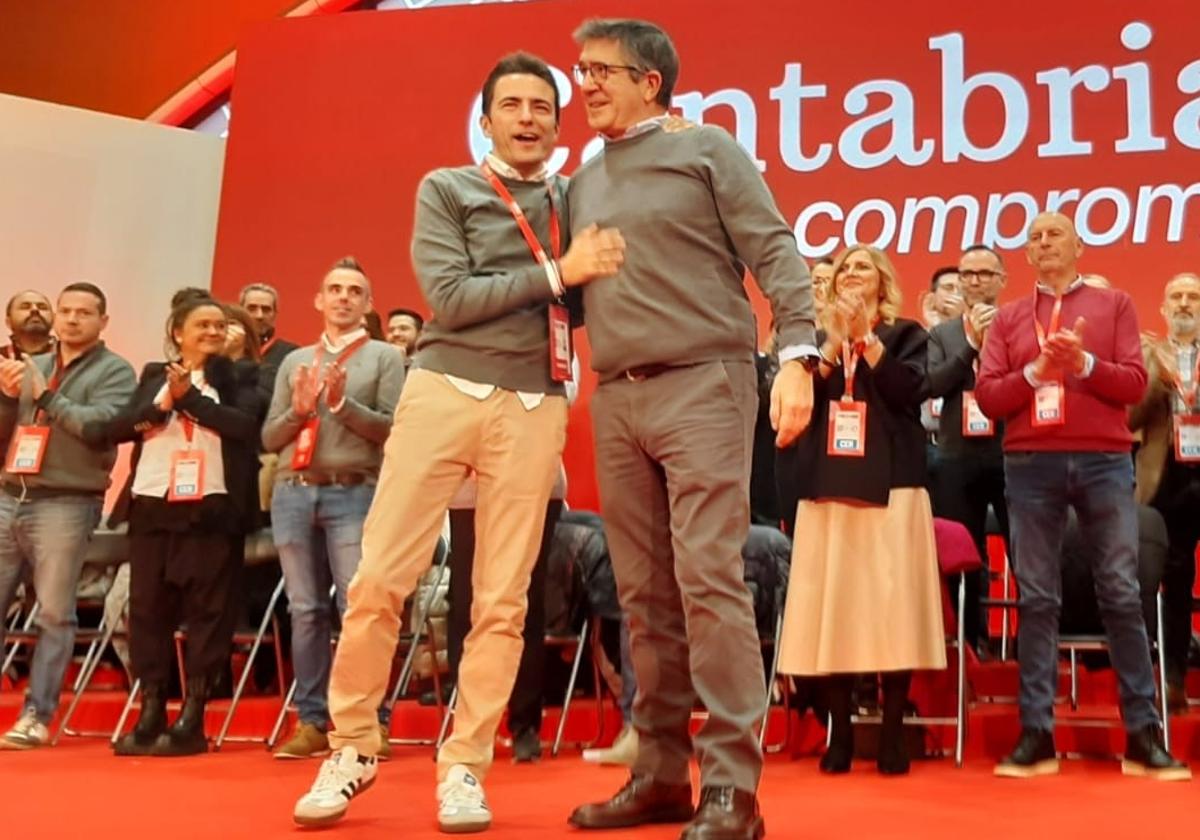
x=1168, y=464
x=1060, y=367
x=28, y=316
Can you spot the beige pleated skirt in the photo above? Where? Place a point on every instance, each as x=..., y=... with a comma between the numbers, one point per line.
x=864, y=593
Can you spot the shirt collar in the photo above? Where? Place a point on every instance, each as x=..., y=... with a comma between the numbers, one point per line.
x=504, y=170
x=346, y=340
x=1075, y=284
x=644, y=127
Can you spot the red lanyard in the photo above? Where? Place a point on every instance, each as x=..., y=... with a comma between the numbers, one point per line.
x=539, y=253
x=343, y=357
x=850, y=356
x=1055, y=314
x=267, y=345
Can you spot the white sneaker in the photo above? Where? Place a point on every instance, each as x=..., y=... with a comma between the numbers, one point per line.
x=27, y=733
x=343, y=776
x=462, y=806
x=623, y=751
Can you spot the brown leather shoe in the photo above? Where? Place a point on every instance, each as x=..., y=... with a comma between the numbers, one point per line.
x=642, y=800
x=726, y=813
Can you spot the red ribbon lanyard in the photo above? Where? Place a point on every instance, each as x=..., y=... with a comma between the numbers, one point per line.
x=189, y=427
x=343, y=357
x=267, y=345
x=850, y=356
x=1055, y=314
x=539, y=253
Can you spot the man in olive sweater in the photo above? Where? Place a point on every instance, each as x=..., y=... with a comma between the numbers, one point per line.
x=673, y=341
x=483, y=396
x=54, y=483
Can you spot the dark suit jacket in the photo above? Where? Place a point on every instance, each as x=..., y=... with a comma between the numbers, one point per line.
x=895, y=445
x=950, y=371
x=237, y=419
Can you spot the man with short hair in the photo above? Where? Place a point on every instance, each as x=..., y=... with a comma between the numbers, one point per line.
x=1062, y=393
x=403, y=329
x=330, y=415
x=945, y=300
x=52, y=485
x=262, y=302
x=673, y=342
x=1168, y=464
x=487, y=396
x=28, y=317
x=970, y=473
x=822, y=277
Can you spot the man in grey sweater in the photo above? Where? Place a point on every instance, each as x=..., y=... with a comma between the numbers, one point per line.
x=673, y=342
x=330, y=415
x=53, y=485
x=486, y=394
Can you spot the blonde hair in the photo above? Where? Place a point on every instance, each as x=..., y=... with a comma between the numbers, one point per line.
x=890, y=298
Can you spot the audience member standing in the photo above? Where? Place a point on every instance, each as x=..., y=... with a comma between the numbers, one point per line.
x=28, y=317
x=1060, y=367
x=54, y=484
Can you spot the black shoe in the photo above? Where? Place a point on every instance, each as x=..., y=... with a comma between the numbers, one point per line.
x=186, y=735
x=151, y=723
x=725, y=813
x=527, y=746
x=1034, y=756
x=1146, y=756
x=640, y=802
x=893, y=755
x=838, y=758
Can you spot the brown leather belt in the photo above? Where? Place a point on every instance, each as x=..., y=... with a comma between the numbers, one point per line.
x=316, y=479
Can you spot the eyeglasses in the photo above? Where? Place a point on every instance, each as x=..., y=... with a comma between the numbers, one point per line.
x=600, y=72
x=967, y=276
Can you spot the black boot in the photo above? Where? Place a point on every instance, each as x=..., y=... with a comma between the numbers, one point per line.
x=186, y=734
x=838, y=691
x=151, y=723
x=893, y=754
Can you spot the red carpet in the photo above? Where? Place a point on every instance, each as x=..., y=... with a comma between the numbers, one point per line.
x=80, y=789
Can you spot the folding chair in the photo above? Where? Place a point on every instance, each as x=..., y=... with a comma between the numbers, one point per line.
x=785, y=691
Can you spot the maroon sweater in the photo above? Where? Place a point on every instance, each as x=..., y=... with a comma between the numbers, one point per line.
x=1095, y=406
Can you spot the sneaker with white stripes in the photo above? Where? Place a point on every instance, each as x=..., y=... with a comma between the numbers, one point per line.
x=343, y=776
x=27, y=733
x=462, y=805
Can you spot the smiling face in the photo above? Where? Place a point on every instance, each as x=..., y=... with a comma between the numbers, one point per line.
x=344, y=299
x=858, y=276
x=521, y=121
x=202, y=332
x=624, y=96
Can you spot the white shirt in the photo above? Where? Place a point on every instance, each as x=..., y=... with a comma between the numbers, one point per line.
x=159, y=445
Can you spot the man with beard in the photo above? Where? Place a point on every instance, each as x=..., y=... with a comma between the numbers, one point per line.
x=28, y=317
x=1168, y=464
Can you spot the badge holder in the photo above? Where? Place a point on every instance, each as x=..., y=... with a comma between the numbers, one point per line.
x=974, y=422
x=1049, y=407
x=560, y=343
x=306, y=444
x=848, y=417
x=28, y=450
x=1187, y=438
x=187, y=476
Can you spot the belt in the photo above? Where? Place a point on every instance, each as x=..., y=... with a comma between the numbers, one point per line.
x=643, y=372
x=30, y=493
x=333, y=479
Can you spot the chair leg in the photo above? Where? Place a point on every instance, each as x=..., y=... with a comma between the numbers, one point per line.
x=16, y=645
x=282, y=716
x=249, y=666
x=960, y=707
x=1074, y=681
x=444, y=730
x=419, y=618
x=90, y=664
x=566, y=704
x=120, y=728
x=762, y=728
x=1162, y=671
x=1004, y=618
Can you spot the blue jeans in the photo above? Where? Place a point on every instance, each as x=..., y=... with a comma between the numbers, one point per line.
x=1099, y=485
x=318, y=531
x=50, y=536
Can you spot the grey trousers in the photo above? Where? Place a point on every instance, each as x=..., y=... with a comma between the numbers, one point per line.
x=673, y=465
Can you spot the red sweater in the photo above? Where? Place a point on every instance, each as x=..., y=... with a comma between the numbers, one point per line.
x=1095, y=406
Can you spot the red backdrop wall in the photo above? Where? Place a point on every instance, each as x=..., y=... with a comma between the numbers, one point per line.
x=925, y=126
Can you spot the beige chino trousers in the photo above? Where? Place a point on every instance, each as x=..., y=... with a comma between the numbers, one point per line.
x=438, y=435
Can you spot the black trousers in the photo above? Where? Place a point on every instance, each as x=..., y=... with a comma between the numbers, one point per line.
x=181, y=578
x=964, y=487
x=525, y=702
x=1178, y=500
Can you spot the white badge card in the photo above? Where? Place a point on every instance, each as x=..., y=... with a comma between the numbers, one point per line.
x=974, y=422
x=1187, y=439
x=847, y=429
x=187, y=476
x=1049, y=405
x=27, y=450
x=935, y=407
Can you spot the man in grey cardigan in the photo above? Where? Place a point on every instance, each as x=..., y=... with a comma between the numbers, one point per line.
x=486, y=395
x=53, y=485
x=673, y=342
x=330, y=415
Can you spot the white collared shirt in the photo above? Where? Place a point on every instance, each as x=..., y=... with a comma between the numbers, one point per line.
x=153, y=476
x=342, y=343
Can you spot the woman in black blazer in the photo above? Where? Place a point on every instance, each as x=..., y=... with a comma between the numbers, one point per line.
x=191, y=498
x=864, y=591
